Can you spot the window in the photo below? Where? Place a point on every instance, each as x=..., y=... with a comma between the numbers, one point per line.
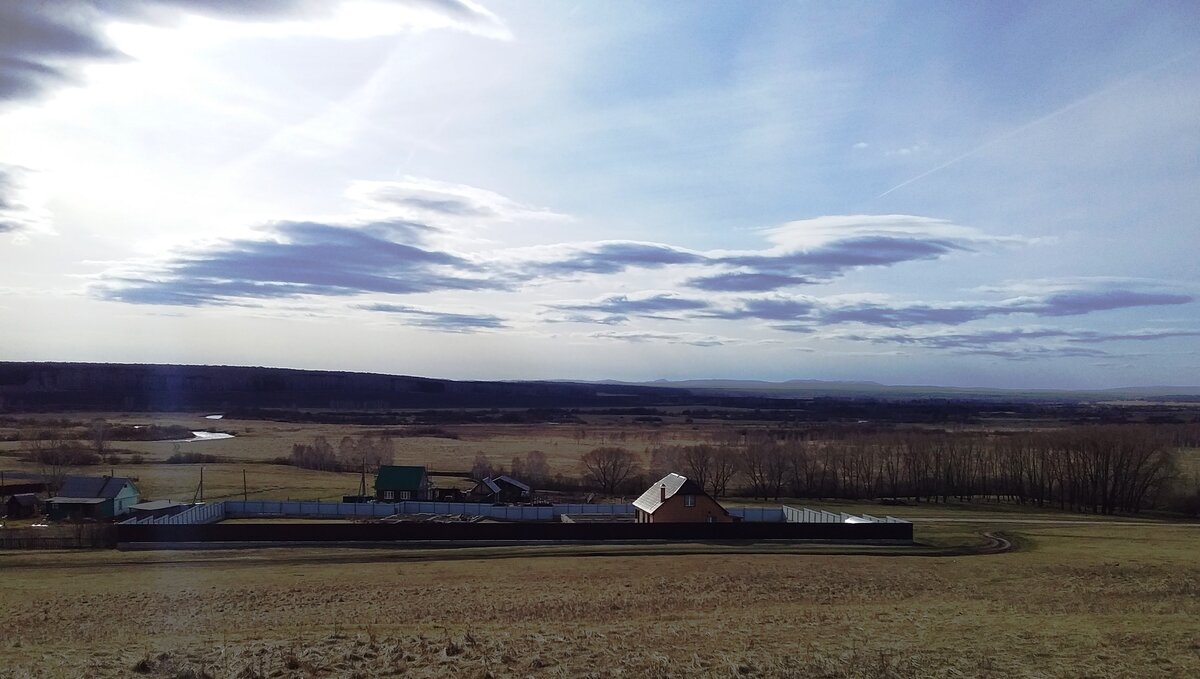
x=389, y=495
x=405, y=495
x=689, y=500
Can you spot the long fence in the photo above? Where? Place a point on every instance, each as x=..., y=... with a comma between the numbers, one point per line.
x=806, y=515
x=212, y=512
x=77, y=536
x=286, y=508
x=239, y=509
x=150, y=535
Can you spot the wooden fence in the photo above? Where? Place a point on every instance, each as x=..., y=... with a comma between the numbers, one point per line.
x=77, y=536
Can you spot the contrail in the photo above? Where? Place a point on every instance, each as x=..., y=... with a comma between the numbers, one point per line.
x=1038, y=121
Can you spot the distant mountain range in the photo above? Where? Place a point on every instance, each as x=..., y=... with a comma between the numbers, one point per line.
x=818, y=388
x=32, y=387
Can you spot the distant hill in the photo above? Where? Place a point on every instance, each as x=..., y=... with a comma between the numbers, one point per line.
x=153, y=388
x=48, y=387
x=819, y=389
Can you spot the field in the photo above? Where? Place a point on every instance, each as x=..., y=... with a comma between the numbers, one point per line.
x=1081, y=595
x=258, y=442
x=1074, y=600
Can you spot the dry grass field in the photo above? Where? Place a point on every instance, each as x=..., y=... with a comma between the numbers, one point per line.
x=1084, y=596
x=257, y=442
x=1074, y=601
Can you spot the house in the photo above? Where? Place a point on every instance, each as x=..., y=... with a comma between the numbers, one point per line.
x=92, y=497
x=396, y=483
x=501, y=488
x=677, y=499
x=22, y=506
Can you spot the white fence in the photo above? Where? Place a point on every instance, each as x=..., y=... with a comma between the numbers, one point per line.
x=234, y=509
x=806, y=515
x=758, y=514
x=206, y=513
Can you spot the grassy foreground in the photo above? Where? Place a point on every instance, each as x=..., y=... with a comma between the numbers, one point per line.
x=1086, y=600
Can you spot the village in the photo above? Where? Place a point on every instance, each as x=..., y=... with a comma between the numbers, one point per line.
x=492, y=508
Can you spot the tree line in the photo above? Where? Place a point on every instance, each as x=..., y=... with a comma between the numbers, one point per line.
x=1101, y=469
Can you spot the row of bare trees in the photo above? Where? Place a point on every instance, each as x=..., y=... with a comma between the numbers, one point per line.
x=1101, y=469
x=351, y=454
x=532, y=468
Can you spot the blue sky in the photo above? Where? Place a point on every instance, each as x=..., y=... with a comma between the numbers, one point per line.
x=966, y=193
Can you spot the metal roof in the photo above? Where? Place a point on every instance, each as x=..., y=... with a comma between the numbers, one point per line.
x=77, y=500
x=25, y=499
x=106, y=487
x=512, y=482
x=155, y=505
x=673, y=483
x=400, y=477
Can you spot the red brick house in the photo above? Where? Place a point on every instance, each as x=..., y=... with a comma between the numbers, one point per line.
x=677, y=499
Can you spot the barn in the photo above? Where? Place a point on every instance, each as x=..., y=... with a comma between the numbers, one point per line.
x=677, y=499
x=92, y=497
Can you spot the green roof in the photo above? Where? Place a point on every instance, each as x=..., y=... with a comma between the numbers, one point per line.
x=397, y=477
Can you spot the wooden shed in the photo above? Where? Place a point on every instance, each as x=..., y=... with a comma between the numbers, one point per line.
x=22, y=506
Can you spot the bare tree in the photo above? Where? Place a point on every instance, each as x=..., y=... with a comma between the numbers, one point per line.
x=98, y=431
x=608, y=468
x=482, y=467
x=536, y=469
x=697, y=462
x=725, y=467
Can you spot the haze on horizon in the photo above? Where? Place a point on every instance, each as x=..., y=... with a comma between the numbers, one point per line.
x=962, y=194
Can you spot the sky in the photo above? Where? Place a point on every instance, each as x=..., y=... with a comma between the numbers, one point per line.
x=992, y=194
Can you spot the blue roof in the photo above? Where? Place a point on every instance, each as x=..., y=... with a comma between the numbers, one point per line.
x=106, y=487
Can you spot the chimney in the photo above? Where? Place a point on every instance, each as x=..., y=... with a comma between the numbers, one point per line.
x=662, y=493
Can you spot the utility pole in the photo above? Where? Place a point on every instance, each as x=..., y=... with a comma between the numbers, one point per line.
x=362, y=480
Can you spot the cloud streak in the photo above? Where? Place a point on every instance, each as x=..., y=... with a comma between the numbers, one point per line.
x=660, y=305
x=438, y=320
x=690, y=339
x=44, y=45
x=300, y=258
x=1021, y=343
x=1085, y=298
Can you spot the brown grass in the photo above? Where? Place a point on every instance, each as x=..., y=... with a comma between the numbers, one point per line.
x=1087, y=600
x=258, y=442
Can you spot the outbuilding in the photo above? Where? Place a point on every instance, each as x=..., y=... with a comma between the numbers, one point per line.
x=677, y=499
x=501, y=488
x=22, y=506
x=92, y=497
x=157, y=508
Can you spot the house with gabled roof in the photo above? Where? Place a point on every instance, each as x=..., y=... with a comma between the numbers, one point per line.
x=502, y=488
x=677, y=499
x=396, y=483
x=92, y=497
